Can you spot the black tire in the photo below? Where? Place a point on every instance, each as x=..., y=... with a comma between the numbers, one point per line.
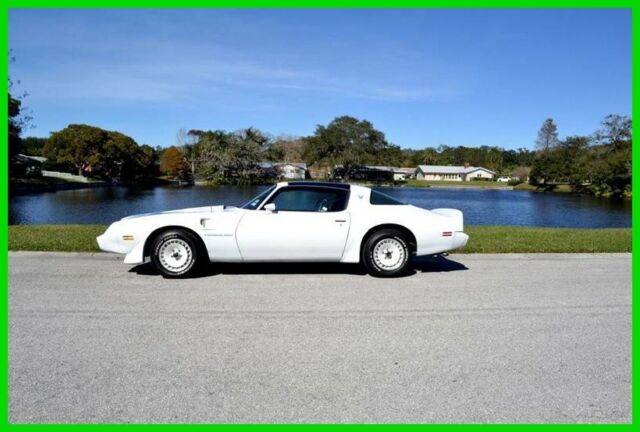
x=176, y=254
x=393, y=261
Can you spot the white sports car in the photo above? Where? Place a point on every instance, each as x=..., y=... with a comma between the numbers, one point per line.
x=294, y=221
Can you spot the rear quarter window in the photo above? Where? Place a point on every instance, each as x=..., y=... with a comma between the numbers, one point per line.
x=378, y=198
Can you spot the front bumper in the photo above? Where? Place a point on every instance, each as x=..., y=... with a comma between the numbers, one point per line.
x=112, y=240
x=109, y=243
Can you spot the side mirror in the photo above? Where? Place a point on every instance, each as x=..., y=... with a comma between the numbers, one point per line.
x=271, y=207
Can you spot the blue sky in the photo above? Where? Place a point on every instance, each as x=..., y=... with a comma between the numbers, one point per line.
x=424, y=77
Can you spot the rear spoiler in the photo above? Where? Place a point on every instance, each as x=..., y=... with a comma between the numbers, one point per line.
x=453, y=214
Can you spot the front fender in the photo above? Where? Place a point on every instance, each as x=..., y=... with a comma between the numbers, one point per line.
x=136, y=256
x=129, y=236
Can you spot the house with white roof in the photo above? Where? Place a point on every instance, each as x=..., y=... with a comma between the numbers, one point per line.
x=286, y=170
x=452, y=173
x=374, y=173
x=292, y=170
x=398, y=173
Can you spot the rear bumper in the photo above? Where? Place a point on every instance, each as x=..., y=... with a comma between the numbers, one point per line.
x=459, y=239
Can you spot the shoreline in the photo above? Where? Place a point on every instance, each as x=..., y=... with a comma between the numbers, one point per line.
x=44, y=187
x=451, y=186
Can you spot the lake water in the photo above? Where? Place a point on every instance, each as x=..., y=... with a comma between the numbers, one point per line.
x=480, y=206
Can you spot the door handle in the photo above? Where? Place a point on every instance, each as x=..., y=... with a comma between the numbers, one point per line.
x=341, y=220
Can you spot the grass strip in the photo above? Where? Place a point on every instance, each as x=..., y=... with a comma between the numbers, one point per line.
x=483, y=239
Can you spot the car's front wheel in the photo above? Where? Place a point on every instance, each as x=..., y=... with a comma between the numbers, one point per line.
x=386, y=253
x=175, y=254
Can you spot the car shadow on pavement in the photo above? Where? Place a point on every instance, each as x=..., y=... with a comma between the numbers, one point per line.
x=436, y=263
x=428, y=264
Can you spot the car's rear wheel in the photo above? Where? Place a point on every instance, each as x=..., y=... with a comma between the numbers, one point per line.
x=175, y=254
x=386, y=253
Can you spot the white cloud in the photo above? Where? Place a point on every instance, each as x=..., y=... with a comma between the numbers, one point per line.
x=82, y=63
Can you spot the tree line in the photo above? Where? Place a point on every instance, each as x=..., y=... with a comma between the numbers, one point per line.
x=599, y=163
x=93, y=152
x=346, y=141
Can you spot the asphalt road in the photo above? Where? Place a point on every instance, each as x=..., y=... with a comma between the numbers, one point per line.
x=475, y=338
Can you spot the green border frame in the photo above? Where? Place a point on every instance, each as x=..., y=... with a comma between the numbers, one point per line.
x=458, y=4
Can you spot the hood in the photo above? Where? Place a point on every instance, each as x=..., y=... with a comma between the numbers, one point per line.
x=207, y=209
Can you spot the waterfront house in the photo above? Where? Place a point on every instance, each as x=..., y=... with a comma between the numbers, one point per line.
x=452, y=173
x=292, y=170
x=403, y=173
x=374, y=173
x=364, y=173
x=27, y=165
x=284, y=170
x=396, y=173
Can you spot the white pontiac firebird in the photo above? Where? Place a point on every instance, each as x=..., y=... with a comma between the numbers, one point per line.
x=290, y=222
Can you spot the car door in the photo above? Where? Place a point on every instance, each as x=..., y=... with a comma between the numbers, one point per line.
x=308, y=224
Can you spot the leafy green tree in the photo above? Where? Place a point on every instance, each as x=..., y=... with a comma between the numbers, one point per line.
x=573, y=160
x=275, y=152
x=33, y=146
x=213, y=155
x=147, y=159
x=430, y=156
x=600, y=164
x=230, y=156
x=391, y=155
x=611, y=165
x=547, y=169
x=347, y=141
x=77, y=145
x=118, y=157
x=101, y=153
x=246, y=153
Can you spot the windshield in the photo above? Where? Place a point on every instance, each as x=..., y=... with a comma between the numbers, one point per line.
x=255, y=202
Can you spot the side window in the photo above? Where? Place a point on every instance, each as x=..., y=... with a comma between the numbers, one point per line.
x=309, y=199
x=378, y=198
x=255, y=202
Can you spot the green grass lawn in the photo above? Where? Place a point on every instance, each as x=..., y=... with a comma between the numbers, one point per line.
x=59, y=238
x=511, y=239
x=483, y=239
